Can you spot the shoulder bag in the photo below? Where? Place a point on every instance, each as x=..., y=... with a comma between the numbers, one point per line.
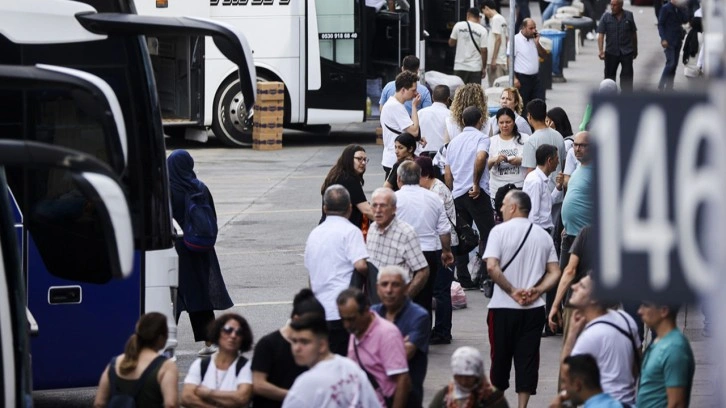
x=371, y=378
x=471, y=34
x=488, y=284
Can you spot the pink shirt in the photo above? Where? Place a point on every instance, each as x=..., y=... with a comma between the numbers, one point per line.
x=382, y=353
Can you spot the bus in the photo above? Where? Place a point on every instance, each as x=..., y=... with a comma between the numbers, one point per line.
x=322, y=50
x=102, y=44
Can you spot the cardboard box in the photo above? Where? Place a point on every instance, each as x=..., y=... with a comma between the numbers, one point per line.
x=269, y=110
x=379, y=135
x=270, y=91
x=266, y=140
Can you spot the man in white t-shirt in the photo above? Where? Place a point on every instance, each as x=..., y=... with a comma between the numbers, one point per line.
x=497, y=42
x=432, y=119
x=527, y=52
x=470, y=39
x=517, y=255
x=332, y=380
x=333, y=252
x=611, y=336
x=395, y=119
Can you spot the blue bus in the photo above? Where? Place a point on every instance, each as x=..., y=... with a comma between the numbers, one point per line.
x=83, y=318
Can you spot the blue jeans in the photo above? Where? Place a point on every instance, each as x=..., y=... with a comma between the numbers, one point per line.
x=442, y=294
x=552, y=9
x=669, y=71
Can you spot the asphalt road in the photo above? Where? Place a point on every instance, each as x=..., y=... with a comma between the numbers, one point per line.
x=268, y=202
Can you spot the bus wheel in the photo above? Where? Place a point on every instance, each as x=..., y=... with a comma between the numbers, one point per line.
x=230, y=123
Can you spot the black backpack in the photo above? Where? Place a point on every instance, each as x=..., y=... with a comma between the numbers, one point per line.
x=241, y=361
x=200, y=223
x=119, y=399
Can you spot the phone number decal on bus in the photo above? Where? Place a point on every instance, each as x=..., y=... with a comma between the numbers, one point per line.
x=250, y=2
x=338, y=36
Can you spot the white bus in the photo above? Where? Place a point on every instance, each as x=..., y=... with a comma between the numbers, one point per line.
x=317, y=48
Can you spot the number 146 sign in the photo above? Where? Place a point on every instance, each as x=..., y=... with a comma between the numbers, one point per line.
x=659, y=190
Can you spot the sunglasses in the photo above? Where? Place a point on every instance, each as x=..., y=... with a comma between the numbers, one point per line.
x=229, y=330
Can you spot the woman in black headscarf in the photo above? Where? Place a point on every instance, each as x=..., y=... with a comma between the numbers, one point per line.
x=201, y=286
x=405, y=146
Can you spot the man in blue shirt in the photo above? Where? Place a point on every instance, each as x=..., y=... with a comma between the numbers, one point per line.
x=668, y=364
x=670, y=20
x=411, y=319
x=411, y=64
x=581, y=384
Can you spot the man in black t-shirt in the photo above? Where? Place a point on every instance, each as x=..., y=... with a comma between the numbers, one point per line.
x=273, y=365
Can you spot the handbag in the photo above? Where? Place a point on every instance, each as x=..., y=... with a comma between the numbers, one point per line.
x=468, y=237
x=367, y=283
x=488, y=284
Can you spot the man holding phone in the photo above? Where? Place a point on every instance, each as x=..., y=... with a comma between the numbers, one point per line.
x=527, y=51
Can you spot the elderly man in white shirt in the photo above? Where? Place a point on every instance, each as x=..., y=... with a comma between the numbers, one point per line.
x=432, y=119
x=334, y=251
x=537, y=187
x=425, y=212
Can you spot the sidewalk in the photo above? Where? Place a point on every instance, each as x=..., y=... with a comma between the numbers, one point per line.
x=469, y=325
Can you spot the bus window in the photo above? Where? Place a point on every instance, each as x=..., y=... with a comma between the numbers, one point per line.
x=338, y=25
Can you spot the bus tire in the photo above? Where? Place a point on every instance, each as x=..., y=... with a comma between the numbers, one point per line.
x=230, y=124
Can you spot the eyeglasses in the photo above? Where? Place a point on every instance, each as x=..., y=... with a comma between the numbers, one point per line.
x=362, y=159
x=229, y=330
x=578, y=145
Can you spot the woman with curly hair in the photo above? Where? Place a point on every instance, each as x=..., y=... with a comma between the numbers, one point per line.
x=348, y=172
x=465, y=96
x=513, y=100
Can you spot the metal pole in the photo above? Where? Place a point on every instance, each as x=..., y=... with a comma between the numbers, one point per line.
x=512, y=21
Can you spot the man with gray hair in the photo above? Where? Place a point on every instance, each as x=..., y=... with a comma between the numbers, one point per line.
x=412, y=321
x=334, y=251
x=517, y=311
x=425, y=212
x=392, y=241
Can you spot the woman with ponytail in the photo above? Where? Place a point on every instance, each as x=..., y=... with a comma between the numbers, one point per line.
x=140, y=373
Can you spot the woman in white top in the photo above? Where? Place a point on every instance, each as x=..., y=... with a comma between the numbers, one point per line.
x=222, y=380
x=505, y=153
x=465, y=96
x=510, y=99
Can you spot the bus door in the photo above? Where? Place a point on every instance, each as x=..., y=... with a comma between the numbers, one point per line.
x=397, y=33
x=104, y=225
x=70, y=297
x=336, y=83
x=440, y=17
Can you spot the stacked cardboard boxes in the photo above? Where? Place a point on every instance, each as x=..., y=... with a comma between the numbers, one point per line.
x=269, y=110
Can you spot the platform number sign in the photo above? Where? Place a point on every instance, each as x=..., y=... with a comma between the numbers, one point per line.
x=659, y=191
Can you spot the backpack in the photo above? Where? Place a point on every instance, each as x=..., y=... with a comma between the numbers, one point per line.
x=121, y=400
x=200, y=223
x=241, y=361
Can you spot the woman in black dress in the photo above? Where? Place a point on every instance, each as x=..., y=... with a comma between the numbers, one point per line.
x=201, y=286
x=405, y=146
x=348, y=172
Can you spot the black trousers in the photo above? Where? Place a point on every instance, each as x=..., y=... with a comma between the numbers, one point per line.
x=425, y=296
x=515, y=334
x=626, y=69
x=479, y=211
x=200, y=323
x=529, y=88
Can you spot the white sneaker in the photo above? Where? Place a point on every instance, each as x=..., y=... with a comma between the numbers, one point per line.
x=590, y=36
x=207, y=350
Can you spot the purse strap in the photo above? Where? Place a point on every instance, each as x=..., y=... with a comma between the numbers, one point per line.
x=370, y=376
x=518, y=249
